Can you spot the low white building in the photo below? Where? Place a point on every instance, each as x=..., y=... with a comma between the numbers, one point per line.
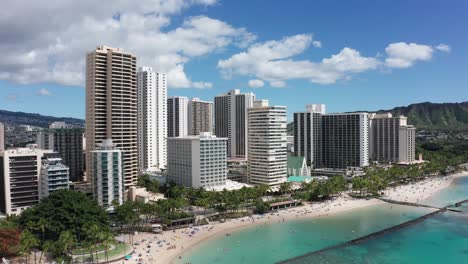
x=142, y=195
x=54, y=175
x=107, y=174
x=197, y=161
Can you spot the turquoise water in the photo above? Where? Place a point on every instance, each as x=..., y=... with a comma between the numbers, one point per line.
x=447, y=232
x=441, y=239
x=457, y=191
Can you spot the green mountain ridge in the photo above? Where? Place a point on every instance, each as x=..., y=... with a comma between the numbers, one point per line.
x=428, y=116
x=21, y=118
x=432, y=116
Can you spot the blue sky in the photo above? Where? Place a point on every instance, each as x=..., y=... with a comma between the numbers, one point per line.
x=32, y=78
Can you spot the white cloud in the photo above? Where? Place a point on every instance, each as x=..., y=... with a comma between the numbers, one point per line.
x=317, y=44
x=53, y=49
x=271, y=61
x=404, y=55
x=443, y=47
x=277, y=84
x=256, y=83
x=43, y=92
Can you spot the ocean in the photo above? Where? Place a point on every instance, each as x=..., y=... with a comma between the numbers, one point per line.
x=440, y=239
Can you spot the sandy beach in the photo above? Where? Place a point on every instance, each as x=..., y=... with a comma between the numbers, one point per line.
x=419, y=191
x=173, y=243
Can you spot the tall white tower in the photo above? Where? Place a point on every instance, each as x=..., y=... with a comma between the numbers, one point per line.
x=152, y=118
x=267, y=159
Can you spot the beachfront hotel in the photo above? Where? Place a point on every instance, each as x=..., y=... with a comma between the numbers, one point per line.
x=20, y=170
x=111, y=107
x=345, y=140
x=391, y=139
x=107, y=172
x=177, y=116
x=332, y=141
x=231, y=121
x=152, y=119
x=407, y=144
x=267, y=144
x=197, y=161
x=308, y=134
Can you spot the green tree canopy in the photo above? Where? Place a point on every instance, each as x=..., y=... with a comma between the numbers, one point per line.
x=64, y=210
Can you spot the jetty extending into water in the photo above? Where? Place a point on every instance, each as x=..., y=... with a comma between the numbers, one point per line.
x=407, y=203
x=383, y=231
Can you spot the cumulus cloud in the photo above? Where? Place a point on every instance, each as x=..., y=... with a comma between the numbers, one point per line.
x=317, y=44
x=443, y=47
x=53, y=49
x=277, y=84
x=404, y=55
x=43, y=92
x=256, y=83
x=272, y=61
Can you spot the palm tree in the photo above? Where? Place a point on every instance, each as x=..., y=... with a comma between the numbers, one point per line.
x=41, y=225
x=46, y=246
x=27, y=242
x=107, y=240
x=285, y=187
x=66, y=242
x=92, y=233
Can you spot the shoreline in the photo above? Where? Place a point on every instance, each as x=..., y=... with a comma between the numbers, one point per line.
x=182, y=240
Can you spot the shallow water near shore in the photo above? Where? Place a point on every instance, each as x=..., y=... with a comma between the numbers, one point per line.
x=448, y=233
x=278, y=241
x=440, y=239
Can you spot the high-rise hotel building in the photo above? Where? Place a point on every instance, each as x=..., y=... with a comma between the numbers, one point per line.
x=152, y=119
x=308, y=134
x=231, y=121
x=177, y=116
x=334, y=141
x=391, y=139
x=197, y=161
x=111, y=107
x=267, y=144
x=200, y=116
x=20, y=170
x=107, y=174
x=345, y=140
x=68, y=142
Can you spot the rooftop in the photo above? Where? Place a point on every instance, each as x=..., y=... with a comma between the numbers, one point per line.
x=230, y=185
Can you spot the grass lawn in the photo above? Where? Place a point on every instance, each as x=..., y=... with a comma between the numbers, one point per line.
x=118, y=251
x=80, y=251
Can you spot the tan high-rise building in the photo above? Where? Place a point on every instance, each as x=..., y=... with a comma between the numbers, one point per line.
x=200, y=116
x=111, y=107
